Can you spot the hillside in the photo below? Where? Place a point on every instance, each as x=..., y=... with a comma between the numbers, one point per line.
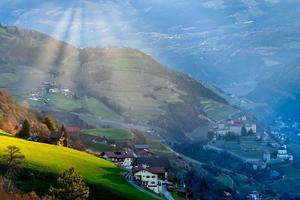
x=103, y=177
x=281, y=91
x=109, y=84
x=13, y=114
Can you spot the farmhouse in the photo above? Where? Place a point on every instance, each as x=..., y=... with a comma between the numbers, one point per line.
x=57, y=138
x=121, y=158
x=150, y=177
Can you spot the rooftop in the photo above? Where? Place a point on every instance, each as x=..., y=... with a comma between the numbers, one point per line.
x=118, y=154
x=141, y=146
x=154, y=170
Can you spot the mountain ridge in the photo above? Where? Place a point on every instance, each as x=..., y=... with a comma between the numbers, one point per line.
x=127, y=84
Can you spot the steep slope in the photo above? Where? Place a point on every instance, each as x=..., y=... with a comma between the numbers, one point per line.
x=116, y=84
x=13, y=114
x=143, y=91
x=103, y=177
x=281, y=91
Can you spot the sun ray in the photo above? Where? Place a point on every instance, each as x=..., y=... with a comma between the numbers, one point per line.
x=48, y=53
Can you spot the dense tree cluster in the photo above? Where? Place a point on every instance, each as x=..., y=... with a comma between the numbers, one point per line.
x=70, y=186
x=25, y=130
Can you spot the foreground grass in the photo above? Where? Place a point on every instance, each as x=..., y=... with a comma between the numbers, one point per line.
x=109, y=133
x=104, y=177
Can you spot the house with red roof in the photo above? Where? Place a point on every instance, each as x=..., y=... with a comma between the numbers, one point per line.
x=152, y=178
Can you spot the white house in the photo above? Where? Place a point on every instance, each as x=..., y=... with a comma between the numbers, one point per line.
x=151, y=177
x=283, y=154
x=266, y=156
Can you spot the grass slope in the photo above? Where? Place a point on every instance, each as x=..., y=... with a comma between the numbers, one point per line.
x=104, y=176
x=109, y=133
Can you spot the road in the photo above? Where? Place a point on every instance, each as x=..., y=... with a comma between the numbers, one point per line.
x=167, y=193
x=143, y=190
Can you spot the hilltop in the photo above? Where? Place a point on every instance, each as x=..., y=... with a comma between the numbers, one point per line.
x=103, y=177
x=106, y=84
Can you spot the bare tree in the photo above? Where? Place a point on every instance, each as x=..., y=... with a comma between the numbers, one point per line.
x=13, y=159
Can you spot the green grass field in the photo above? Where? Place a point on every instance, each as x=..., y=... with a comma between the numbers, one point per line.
x=95, y=147
x=109, y=133
x=217, y=111
x=94, y=107
x=124, y=64
x=248, y=147
x=103, y=176
x=2, y=132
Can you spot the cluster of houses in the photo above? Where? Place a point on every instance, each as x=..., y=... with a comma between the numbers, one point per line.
x=254, y=195
x=144, y=167
x=279, y=136
x=37, y=94
x=234, y=126
x=283, y=154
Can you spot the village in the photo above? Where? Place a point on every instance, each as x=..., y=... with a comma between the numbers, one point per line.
x=144, y=169
x=265, y=150
x=244, y=130
x=48, y=87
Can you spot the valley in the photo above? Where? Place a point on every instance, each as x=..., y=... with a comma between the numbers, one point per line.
x=134, y=100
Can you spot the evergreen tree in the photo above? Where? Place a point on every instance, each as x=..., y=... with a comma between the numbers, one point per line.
x=250, y=132
x=244, y=131
x=70, y=186
x=50, y=123
x=25, y=131
x=210, y=135
x=66, y=135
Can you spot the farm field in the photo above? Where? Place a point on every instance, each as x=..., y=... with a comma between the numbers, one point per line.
x=103, y=177
x=247, y=147
x=217, y=111
x=93, y=146
x=82, y=107
x=109, y=133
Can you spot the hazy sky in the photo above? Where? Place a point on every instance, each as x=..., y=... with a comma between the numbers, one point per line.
x=186, y=34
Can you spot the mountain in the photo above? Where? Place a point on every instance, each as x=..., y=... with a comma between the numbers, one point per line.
x=107, y=84
x=231, y=44
x=281, y=91
x=13, y=114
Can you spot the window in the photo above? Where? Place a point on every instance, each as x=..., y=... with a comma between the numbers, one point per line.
x=152, y=182
x=147, y=176
x=153, y=177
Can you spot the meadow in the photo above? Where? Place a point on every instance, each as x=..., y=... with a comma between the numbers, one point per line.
x=103, y=177
x=109, y=133
x=247, y=147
